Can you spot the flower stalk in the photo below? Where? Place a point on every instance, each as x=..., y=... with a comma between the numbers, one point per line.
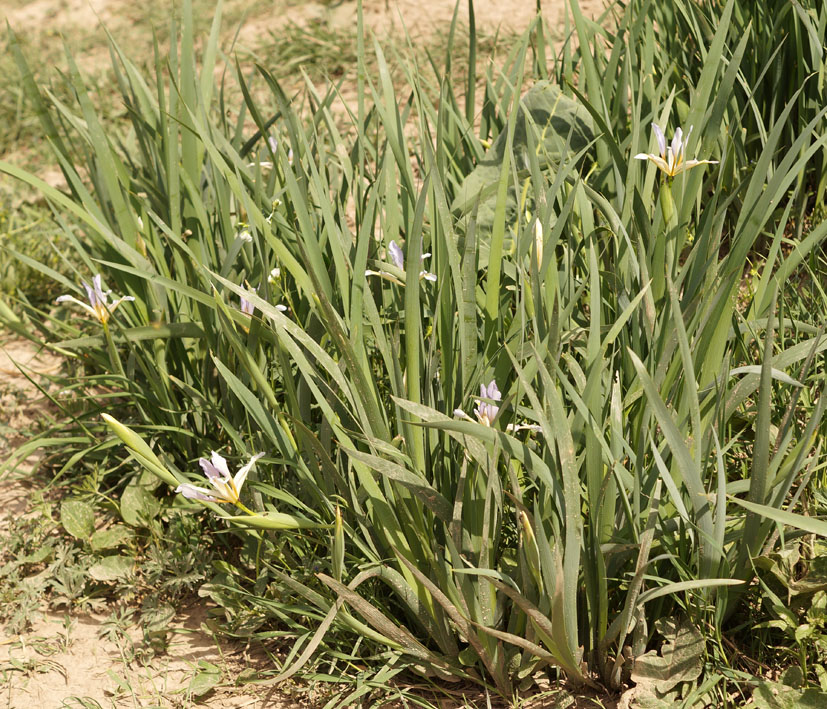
x=671, y=161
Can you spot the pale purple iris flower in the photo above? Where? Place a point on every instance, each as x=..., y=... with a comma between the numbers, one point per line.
x=486, y=410
x=246, y=306
x=97, y=306
x=397, y=258
x=225, y=487
x=273, y=144
x=671, y=159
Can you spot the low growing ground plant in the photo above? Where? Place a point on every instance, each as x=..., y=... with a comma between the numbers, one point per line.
x=474, y=392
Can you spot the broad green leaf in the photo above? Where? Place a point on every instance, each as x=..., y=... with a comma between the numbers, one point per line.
x=206, y=678
x=680, y=658
x=770, y=695
x=112, y=568
x=77, y=518
x=138, y=505
x=114, y=536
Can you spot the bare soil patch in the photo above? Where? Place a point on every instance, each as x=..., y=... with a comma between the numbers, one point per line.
x=64, y=658
x=421, y=18
x=22, y=404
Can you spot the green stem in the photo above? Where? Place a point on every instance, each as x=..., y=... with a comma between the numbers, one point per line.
x=667, y=203
x=112, y=351
x=246, y=509
x=664, y=256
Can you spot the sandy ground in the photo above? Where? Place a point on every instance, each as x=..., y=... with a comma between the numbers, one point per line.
x=21, y=402
x=418, y=17
x=63, y=660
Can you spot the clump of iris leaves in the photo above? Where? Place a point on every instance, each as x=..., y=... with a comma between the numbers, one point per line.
x=530, y=409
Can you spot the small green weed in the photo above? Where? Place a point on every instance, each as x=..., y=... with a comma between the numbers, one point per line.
x=74, y=565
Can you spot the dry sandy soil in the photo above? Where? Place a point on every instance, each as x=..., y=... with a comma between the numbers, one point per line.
x=419, y=17
x=64, y=659
x=61, y=662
